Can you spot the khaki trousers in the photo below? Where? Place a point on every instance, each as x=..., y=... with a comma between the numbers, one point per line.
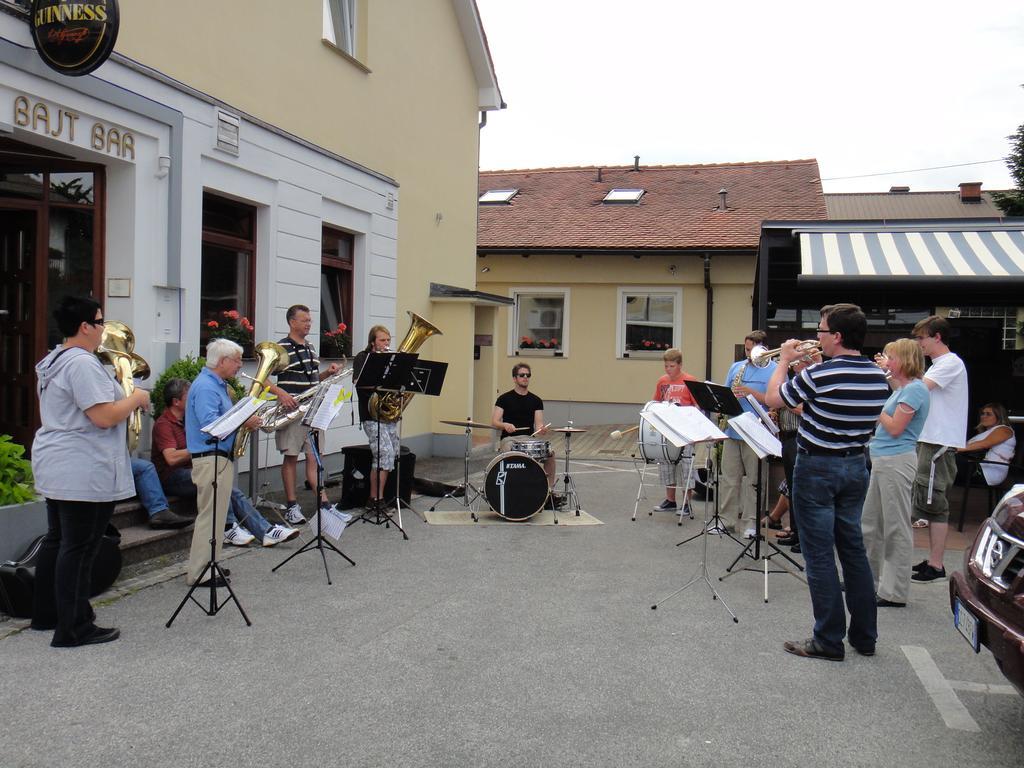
x=202, y=476
x=736, y=480
x=885, y=521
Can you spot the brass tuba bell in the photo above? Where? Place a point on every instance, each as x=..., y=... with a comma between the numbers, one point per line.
x=117, y=348
x=388, y=406
x=273, y=359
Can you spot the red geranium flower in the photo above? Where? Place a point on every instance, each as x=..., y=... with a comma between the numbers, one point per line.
x=213, y=324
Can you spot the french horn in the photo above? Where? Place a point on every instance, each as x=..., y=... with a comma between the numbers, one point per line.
x=388, y=406
x=117, y=348
x=273, y=359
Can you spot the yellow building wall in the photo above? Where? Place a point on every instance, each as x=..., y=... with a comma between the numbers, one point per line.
x=591, y=372
x=413, y=116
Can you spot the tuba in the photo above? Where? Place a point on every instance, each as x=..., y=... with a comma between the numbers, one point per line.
x=388, y=406
x=273, y=359
x=117, y=348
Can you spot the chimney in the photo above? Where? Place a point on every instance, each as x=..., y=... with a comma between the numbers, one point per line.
x=636, y=162
x=599, y=174
x=722, y=205
x=899, y=190
x=970, y=192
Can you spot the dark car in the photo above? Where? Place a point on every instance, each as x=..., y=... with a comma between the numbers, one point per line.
x=987, y=598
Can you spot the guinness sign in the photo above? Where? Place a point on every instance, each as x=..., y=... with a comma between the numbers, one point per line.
x=74, y=37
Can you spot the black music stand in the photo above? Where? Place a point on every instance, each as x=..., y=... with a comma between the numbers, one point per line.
x=753, y=548
x=385, y=372
x=318, y=542
x=425, y=378
x=213, y=567
x=713, y=398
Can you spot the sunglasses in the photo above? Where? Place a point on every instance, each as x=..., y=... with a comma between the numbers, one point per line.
x=526, y=375
x=97, y=323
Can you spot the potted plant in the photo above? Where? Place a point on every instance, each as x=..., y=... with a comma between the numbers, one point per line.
x=186, y=368
x=231, y=325
x=22, y=515
x=336, y=343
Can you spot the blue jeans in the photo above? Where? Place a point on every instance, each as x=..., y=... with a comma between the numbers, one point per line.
x=240, y=510
x=147, y=486
x=828, y=495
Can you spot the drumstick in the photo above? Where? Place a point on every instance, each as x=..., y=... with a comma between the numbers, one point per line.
x=622, y=432
x=541, y=429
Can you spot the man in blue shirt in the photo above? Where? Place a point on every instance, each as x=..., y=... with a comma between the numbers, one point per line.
x=738, y=477
x=208, y=400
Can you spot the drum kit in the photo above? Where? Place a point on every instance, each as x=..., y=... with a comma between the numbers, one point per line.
x=515, y=483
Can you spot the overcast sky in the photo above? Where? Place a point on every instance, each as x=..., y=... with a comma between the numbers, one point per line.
x=863, y=87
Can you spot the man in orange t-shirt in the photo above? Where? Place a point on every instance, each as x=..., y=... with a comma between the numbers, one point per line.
x=671, y=388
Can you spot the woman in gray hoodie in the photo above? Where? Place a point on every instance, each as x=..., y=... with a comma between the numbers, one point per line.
x=81, y=467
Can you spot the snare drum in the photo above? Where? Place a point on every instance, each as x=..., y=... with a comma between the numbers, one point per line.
x=538, y=450
x=653, y=446
x=515, y=486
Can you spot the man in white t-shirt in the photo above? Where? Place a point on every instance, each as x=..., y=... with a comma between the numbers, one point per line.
x=946, y=427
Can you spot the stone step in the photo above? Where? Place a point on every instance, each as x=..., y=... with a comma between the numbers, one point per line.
x=140, y=542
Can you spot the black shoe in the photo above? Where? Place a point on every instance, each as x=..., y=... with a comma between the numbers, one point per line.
x=881, y=602
x=787, y=541
x=865, y=651
x=929, y=574
x=920, y=566
x=97, y=636
x=165, y=518
x=811, y=650
x=796, y=548
x=772, y=524
x=666, y=506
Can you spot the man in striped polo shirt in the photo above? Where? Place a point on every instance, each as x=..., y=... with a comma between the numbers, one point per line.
x=303, y=372
x=841, y=400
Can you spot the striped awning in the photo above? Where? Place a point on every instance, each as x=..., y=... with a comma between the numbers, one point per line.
x=989, y=254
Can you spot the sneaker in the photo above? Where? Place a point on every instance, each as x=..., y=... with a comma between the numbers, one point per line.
x=687, y=511
x=237, y=536
x=666, y=506
x=928, y=574
x=750, y=533
x=277, y=534
x=920, y=566
x=345, y=517
x=293, y=515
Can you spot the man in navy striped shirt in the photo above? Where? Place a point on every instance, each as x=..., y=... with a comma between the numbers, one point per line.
x=841, y=400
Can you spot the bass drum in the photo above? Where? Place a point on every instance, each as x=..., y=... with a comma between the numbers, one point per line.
x=515, y=486
x=653, y=446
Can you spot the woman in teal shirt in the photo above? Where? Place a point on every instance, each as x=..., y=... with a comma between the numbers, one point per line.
x=888, y=536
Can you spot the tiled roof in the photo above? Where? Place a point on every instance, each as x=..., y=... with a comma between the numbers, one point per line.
x=908, y=205
x=561, y=208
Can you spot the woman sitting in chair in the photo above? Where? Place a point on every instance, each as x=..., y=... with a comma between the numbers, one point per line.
x=996, y=438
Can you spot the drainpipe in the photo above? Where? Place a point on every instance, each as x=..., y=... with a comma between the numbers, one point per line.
x=709, y=299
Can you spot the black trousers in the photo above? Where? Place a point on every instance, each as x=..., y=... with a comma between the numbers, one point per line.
x=64, y=568
x=788, y=462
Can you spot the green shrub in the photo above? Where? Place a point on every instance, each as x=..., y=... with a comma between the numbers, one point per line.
x=16, y=483
x=187, y=368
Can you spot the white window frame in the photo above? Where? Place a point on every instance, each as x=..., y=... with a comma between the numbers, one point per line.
x=340, y=25
x=513, y=321
x=620, y=326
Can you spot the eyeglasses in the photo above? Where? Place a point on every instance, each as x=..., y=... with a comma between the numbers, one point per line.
x=825, y=330
x=524, y=375
x=97, y=323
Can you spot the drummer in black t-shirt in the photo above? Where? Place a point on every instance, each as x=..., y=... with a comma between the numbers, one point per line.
x=519, y=413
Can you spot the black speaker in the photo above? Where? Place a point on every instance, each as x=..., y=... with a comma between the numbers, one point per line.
x=355, y=478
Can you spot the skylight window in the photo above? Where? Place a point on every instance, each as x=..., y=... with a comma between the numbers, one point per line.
x=498, y=195
x=624, y=196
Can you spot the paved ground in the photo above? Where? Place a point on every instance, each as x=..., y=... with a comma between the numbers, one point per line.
x=502, y=646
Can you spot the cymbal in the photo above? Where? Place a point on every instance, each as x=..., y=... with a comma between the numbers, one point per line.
x=568, y=430
x=468, y=423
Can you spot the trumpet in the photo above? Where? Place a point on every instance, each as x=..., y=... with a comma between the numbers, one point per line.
x=761, y=357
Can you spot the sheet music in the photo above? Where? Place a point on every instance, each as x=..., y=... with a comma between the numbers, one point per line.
x=762, y=414
x=681, y=425
x=756, y=435
x=234, y=418
x=334, y=399
x=333, y=523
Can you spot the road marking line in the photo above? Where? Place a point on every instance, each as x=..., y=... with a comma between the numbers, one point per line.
x=953, y=712
x=965, y=685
